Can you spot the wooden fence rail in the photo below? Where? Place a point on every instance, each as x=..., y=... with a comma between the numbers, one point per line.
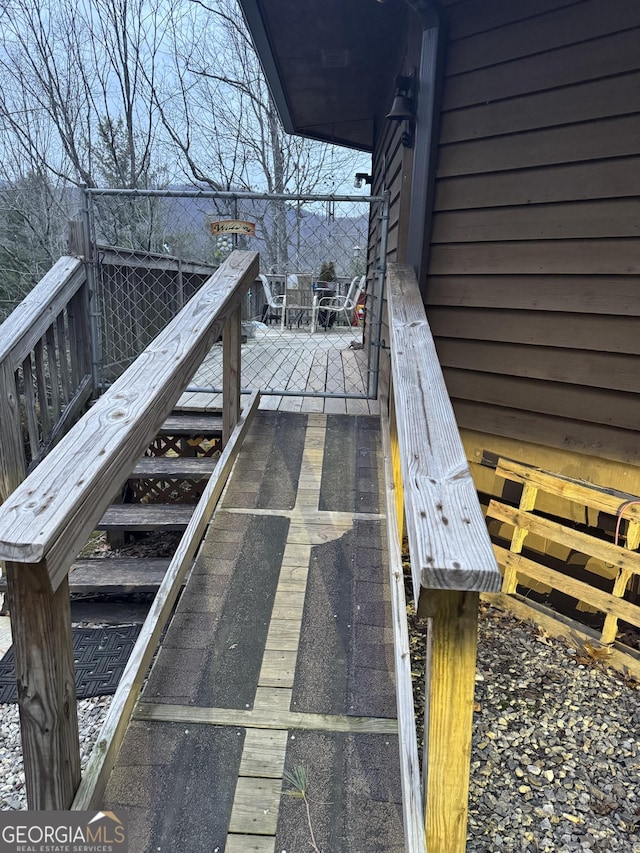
x=451, y=558
x=45, y=369
x=48, y=518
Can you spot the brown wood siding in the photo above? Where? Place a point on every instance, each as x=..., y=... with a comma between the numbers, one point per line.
x=534, y=279
x=392, y=168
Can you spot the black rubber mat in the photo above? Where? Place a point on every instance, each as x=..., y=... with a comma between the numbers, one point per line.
x=100, y=656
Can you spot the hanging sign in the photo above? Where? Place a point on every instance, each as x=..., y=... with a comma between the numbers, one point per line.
x=233, y=226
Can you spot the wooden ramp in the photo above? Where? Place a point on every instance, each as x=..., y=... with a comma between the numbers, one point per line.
x=277, y=667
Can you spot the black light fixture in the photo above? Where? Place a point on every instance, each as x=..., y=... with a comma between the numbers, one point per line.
x=362, y=178
x=403, y=106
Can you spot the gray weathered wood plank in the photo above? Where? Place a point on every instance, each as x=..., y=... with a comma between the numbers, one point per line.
x=448, y=539
x=52, y=357
x=174, y=467
x=413, y=814
x=146, y=517
x=114, y=575
x=12, y=458
x=191, y=424
x=42, y=642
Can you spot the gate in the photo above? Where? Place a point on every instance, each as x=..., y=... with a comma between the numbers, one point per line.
x=312, y=320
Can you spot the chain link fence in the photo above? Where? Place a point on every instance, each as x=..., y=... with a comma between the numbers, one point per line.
x=304, y=318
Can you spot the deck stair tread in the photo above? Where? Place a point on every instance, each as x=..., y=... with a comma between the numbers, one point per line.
x=191, y=424
x=118, y=574
x=138, y=517
x=174, y=467
x=114, y=575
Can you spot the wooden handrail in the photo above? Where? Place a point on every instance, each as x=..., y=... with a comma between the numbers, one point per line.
x=448, y=539
x=117, y=256
x=48, y=518
x=46, y=339
x=451, y=561
x=25, y=326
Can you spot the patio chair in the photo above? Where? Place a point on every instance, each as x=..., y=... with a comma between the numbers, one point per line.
x=273, y=308
x=326, y=309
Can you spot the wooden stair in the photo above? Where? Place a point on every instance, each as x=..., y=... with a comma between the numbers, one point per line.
x=192, y=424
x=141, y=518
x=124, y=575
x=114, y=575
x=173, y=468
x=118, y=575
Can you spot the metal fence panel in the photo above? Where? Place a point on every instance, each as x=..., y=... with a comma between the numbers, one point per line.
x=304, y=318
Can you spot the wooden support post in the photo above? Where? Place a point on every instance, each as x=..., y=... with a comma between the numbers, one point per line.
x=80, y=335
x=610, y=627
x=75, y=238
x=42, y=642
x=451, y=668
x=231, y=360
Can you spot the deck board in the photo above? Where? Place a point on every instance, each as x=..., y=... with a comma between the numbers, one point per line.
x=292, y=360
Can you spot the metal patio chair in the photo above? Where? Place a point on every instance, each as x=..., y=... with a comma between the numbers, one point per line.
x=274, y=304
x=326, y=309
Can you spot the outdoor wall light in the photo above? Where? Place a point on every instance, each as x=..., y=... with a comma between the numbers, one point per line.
x=361, y=177
x=402, y=108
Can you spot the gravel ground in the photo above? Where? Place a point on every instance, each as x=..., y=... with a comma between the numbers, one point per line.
x=556, y=746
x=91, y=714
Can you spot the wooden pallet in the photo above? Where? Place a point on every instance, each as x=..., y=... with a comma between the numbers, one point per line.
x=621, y=561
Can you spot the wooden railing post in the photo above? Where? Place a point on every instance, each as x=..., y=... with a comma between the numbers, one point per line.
x=12, y=461
x=231, y=363
x=43, y=647
x=450, y=681
x=80, y=334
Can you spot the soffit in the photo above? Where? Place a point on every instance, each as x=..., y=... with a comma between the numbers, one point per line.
x=329, y=64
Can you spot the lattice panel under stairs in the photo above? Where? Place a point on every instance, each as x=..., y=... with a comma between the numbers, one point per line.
x=179, y=486
x=181, y=491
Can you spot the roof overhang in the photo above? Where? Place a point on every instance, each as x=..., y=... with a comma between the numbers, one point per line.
x=327, y=63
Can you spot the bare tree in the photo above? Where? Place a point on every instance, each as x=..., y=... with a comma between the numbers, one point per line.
x=81, y=73
x=105, y=92
x=223, y=125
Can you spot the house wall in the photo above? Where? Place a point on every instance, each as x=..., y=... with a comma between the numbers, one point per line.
x=533, y=276
x=392, y=166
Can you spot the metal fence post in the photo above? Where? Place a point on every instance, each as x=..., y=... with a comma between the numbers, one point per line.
x=90, y=257
x=381, y=271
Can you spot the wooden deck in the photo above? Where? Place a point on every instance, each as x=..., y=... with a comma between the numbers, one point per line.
x=293, y=360
x=278, y=661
